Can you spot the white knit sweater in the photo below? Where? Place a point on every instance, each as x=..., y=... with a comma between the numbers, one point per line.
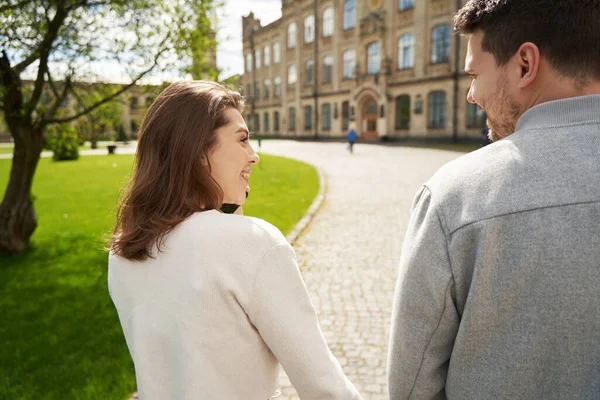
x=213, y=315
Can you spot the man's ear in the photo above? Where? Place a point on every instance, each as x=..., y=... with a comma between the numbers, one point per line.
x=528, y=58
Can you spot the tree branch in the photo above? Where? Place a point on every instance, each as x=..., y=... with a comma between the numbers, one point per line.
x=58, y=100
x=44, y=52
x=52, y=86
x=109, y=98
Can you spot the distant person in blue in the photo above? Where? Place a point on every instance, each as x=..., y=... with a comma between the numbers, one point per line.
x=351, y=137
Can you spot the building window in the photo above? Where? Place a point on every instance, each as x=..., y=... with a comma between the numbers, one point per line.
x=292, y=76
x=373, y=58
x=327, y=69
x=249, y=90
x=349, y=14
x=256, y=91
x=267, y=53
x=277, y=86
x=309, y=72
x=345, y=116
x=437, y=110
x=349, y=63
x=309, y=29
x=476, y=117
x=267, y=88
x=403, y=112
x=257, y=58
x=326, y=114
x=266, y=117
x=257, y=122
x=307, y=118
x=406, y=51
x=276, y=53
x=248, y=62
x=328, y=22
x=292, y=119
x=440, y=44
x=405, y=4
x=291, y=42
x=276, y=121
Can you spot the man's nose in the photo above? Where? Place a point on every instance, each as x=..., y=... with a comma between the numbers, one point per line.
x=470, y=98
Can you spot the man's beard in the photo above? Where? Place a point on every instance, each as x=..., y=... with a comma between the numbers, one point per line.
x=504, y=121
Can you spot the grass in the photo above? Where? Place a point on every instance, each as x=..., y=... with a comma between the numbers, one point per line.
x=60, y=335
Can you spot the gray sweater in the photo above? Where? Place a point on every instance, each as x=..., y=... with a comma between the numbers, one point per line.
x=498, y=294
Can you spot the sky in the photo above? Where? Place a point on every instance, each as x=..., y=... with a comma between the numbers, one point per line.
x=229, y=50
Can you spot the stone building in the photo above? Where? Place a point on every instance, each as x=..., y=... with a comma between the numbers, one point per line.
x=391, y=67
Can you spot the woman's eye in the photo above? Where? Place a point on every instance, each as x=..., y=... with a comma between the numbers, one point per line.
x=244, y=139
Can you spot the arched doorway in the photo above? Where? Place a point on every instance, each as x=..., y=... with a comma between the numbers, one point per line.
x=368, y=117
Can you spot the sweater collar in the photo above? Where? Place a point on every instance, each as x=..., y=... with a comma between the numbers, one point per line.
x=574, y=110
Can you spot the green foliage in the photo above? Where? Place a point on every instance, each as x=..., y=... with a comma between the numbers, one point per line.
x=121, y=135
x=101, y=123
x=60, y=334
x=64, y=142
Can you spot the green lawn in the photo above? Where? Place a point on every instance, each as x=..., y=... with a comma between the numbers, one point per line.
x=59, y=333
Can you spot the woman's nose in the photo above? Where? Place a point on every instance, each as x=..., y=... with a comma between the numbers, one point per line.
x=252, y=156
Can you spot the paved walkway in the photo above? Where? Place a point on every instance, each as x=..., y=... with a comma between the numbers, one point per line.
x=349, y=253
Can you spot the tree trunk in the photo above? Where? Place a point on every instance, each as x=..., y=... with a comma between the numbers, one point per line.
x=17, y=215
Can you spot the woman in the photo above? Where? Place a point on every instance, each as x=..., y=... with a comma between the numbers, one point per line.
x=210, y=302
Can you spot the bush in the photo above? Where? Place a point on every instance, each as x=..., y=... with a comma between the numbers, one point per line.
x=64, y=142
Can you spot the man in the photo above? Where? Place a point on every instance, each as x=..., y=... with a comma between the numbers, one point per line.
x=351, y=138
x=498, y=295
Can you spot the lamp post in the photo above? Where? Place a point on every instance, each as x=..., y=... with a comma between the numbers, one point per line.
x=253, y=95
x=316, y=69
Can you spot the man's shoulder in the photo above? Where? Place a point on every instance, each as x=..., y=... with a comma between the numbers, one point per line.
x=463, y=189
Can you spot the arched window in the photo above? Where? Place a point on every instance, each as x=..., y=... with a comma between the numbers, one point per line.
x=402, y=112
x=440, y=44
x=307, y=118
x=276, y=121
x=349, y=14
x=349, y=63
x=291, y=37
x=328, y=22
x=292, y=119
x=406, y=51
x=267, y=54
x=248, y=62
x=437, y=110
x=309, y=29
x=257, y=58
x=292, y=76
x=373, y=58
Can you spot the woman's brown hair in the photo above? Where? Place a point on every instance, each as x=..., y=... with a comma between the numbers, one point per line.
x=171, y=176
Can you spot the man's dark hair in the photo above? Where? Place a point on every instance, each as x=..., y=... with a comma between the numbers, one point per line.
x=567, y=32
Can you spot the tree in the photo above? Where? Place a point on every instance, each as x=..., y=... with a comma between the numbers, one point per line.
x=103, y=122
x=57, y=43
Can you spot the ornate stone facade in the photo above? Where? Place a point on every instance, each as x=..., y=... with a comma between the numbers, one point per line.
x=391, y=67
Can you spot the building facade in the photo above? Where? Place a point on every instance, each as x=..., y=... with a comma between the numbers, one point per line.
x=391, y=68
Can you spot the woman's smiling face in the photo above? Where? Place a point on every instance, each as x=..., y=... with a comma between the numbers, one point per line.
x=232, y=158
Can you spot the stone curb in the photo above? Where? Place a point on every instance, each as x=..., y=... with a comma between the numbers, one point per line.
x=314, y=208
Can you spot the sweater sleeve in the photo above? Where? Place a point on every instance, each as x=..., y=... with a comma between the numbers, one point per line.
x=424, y=317
x=282, y=312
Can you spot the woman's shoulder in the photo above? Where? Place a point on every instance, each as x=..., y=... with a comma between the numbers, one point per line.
x=234, y=227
